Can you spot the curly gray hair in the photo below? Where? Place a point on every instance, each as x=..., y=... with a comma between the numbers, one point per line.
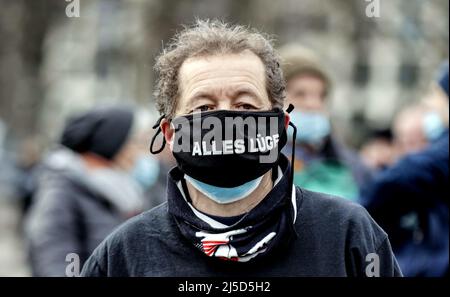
x=207, y=38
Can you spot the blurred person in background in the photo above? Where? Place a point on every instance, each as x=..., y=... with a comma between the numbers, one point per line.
x=410, y=200
x=151, y=170
x=419, y=124
x=89, y=185
x=436, y=104
x=413, y=128
x=378, y=152
x=26, y=165
x=157, y=189
x=322, y=164
x=408, y=128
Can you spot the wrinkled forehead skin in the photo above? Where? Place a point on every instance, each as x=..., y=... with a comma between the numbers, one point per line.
x=222, y=80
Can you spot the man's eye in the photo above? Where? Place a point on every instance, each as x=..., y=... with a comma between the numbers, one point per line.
x=202, y=108
x=246, y=106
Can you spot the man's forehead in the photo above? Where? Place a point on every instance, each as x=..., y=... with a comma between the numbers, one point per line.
x=241, y=64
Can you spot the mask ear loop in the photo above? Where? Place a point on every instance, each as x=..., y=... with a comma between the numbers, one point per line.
x=157, y=125
x=291, y=177
x=294, y=136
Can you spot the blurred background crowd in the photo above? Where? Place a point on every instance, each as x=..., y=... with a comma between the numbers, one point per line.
x=371, y=94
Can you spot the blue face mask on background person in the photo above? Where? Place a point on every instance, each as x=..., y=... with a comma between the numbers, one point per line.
x=146, y=171
x=118, y=187
x=313, y=127
x=225, y=195
x=433, y=126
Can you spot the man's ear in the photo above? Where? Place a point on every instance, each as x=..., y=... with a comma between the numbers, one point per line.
x=287, y=119
x=167, y=131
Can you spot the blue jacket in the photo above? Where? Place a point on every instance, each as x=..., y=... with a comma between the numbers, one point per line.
x=410, y=202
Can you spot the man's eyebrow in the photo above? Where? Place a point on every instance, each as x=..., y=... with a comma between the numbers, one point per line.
x=192, y=101
x=247, y=91
x=201, y=94
x=235, y=93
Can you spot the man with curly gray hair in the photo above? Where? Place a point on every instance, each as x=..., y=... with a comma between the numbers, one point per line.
x=213, y=38
x=232, y=208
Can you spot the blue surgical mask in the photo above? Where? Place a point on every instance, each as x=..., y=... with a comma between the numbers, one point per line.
x=433, y=126
x=312, y=127
x=146, y=171
x=225, y=195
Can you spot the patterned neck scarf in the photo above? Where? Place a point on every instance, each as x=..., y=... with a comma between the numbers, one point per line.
x=263, y=229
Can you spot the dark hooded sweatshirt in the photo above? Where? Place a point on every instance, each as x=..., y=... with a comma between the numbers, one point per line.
x=335, y=237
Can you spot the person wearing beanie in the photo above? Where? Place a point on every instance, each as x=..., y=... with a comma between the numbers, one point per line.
x=323, y=163
x=86, y=189
x=102, y=131
x=410, y=202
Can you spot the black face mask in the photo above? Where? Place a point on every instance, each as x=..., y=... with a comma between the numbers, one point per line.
x=227, y=148
x=269, y=226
